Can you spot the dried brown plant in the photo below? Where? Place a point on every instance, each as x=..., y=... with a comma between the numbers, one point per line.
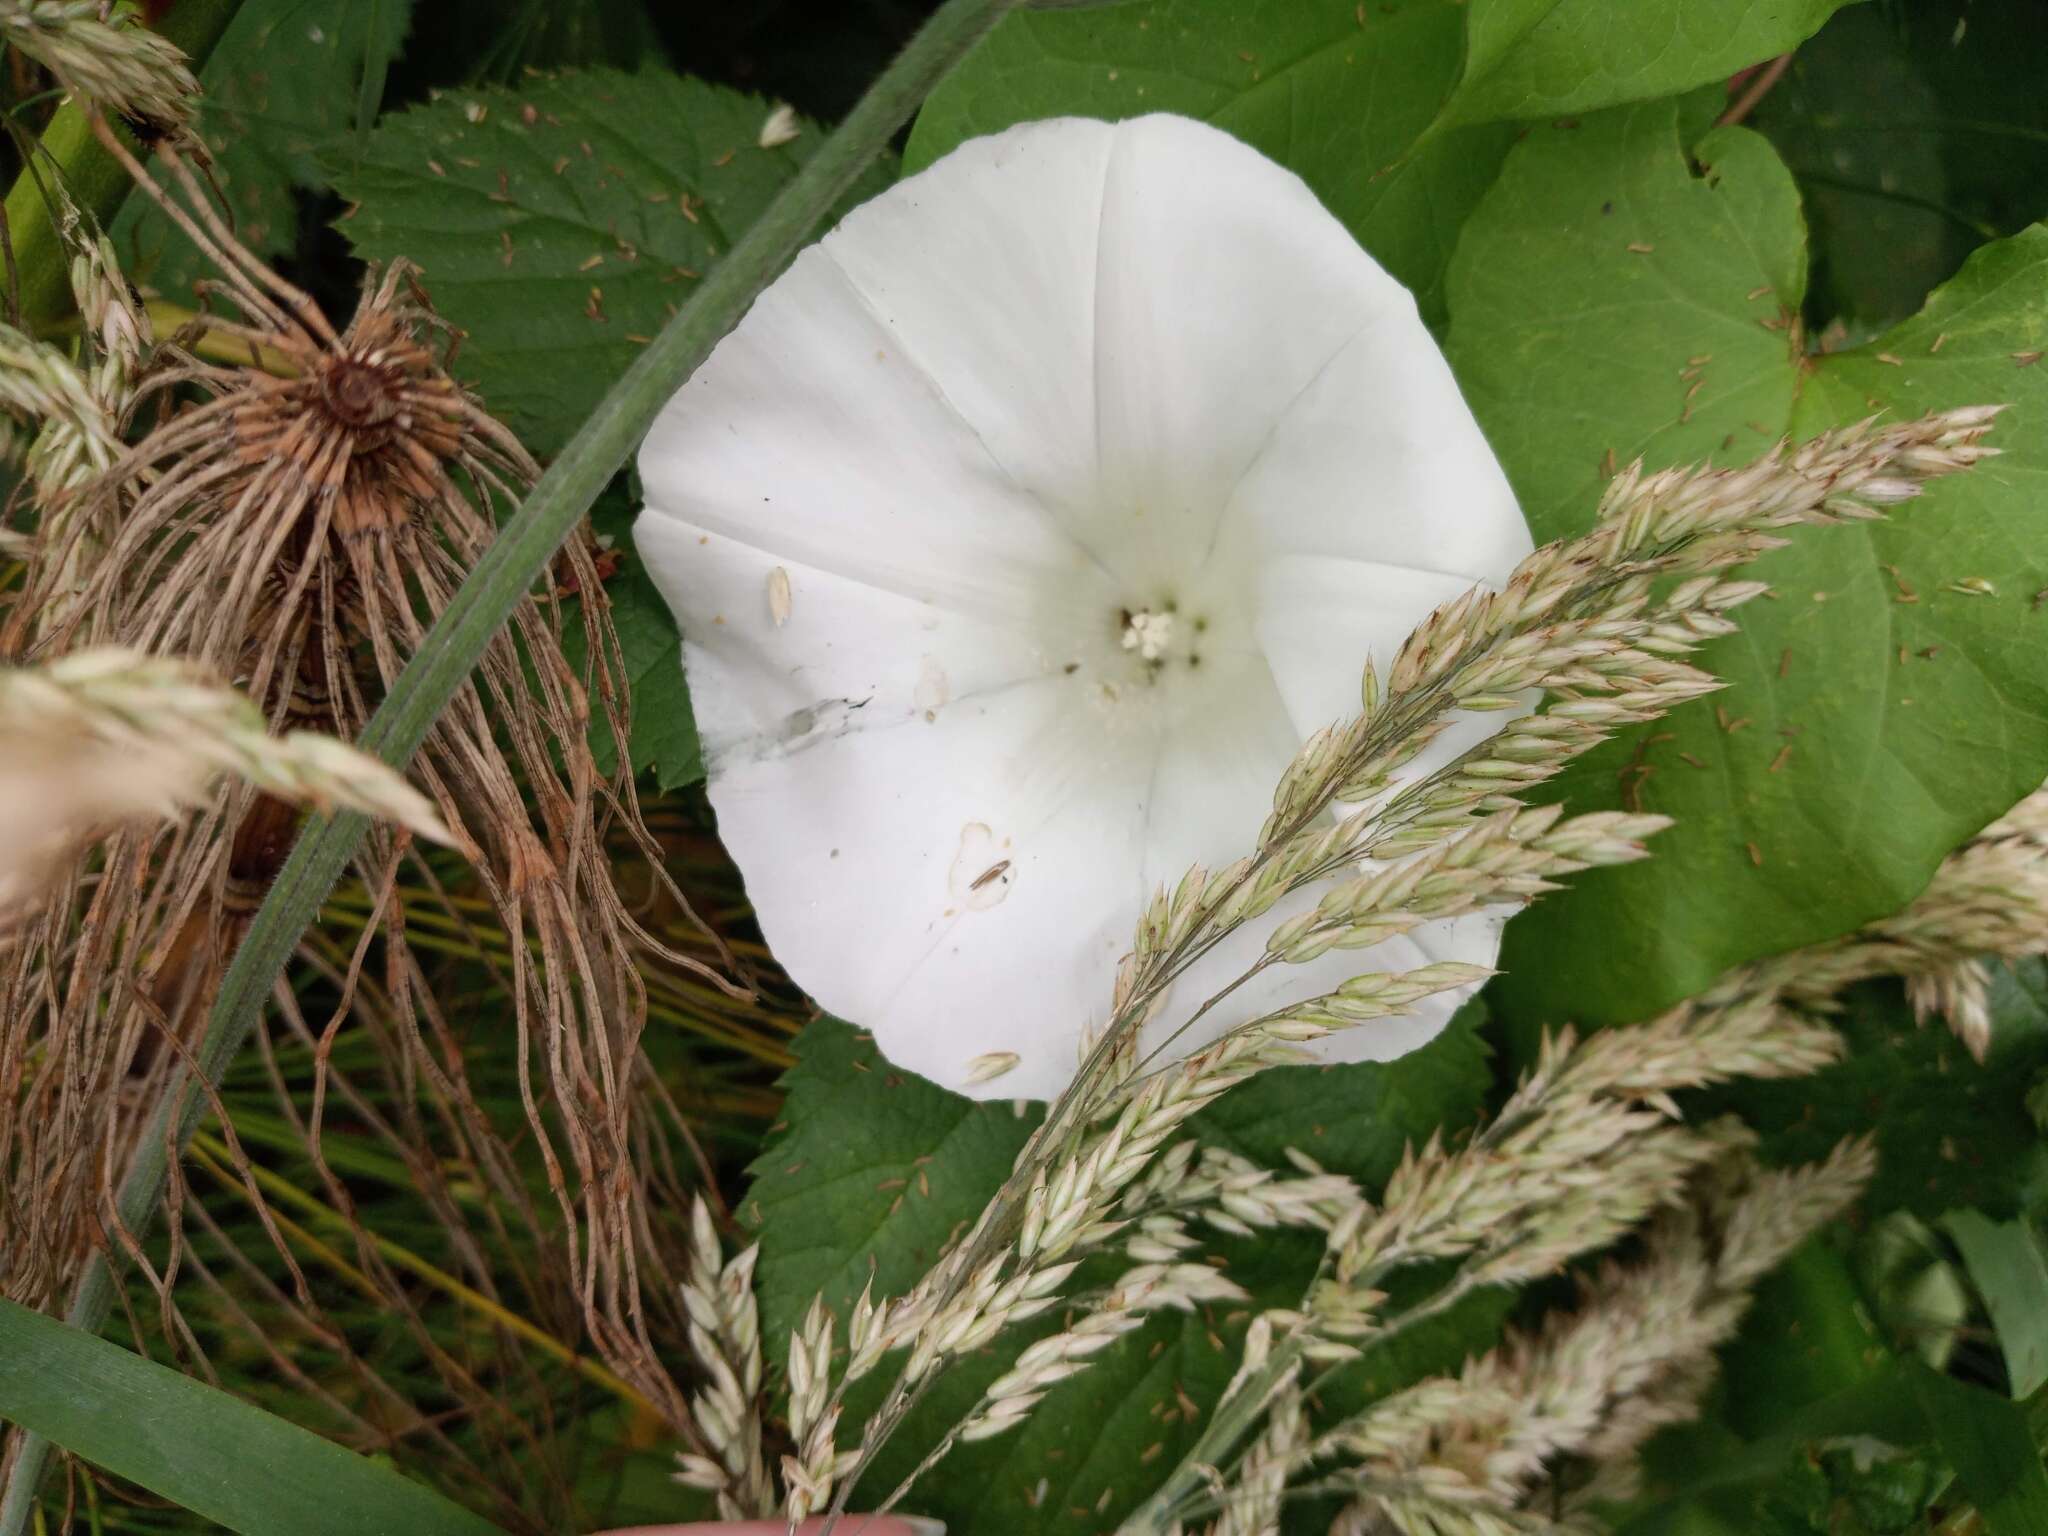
x=296, y=523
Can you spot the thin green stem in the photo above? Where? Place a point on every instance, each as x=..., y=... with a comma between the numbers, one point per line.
x=1227, y=1427
x=1170, y=1506
x=501, y=578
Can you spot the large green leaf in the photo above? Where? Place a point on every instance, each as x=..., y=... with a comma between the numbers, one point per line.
x=286, y=82
x=1805, y=1339
x=195, y=1445
x=561, y=223
x=876, y=1168
x=1336, y=92
x=1386, y=110
x=1609, y=302
x=1537, y=58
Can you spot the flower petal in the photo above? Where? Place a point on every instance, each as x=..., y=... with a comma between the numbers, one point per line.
x=1223, y=290
x=1379, y=459
x=908, y=514
x=959, y=886
x=841, y=654
x=982, y=269
x=808, y=435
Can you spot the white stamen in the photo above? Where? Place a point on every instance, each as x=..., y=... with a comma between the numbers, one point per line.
x=1148, y=633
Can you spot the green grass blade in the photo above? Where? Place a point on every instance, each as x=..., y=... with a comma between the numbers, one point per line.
x=2008, y=1264
x=202, y=1449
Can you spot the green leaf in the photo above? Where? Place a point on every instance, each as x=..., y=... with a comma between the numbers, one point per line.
x=283, y=85
x=1607, y=303
x=1703, y=1477
x=664, y=729
x=1538, y=58
x=1595, y=271
x=1992, y=119
x=195, y=1445
x=1858, y=1487
x=1917, y=133
x=1950, y=1133
x=1391, y=112
x=2008, y=1263
x=876, y=1168
x=561, y=223
x=1805, y=1339
x=1993, y=1450
x=1337, y=92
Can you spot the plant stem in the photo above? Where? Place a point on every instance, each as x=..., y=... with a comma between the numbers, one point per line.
x=1227, y=1426
x=68, y=153
x=500, y=579
x=1234, y=1420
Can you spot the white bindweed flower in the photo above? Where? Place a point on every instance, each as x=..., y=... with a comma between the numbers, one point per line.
x=1019, y=536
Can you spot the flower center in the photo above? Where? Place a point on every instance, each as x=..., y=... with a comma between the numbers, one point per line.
x=1147, y=633
x=356, y=392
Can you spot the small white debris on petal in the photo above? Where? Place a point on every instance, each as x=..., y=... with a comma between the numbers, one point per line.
x=1148, y=634
x=781, y=126
x=991, y=1065
x=779, y=596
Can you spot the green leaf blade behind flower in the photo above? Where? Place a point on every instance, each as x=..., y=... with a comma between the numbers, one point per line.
x=559, y=224
x=875, y=1169
x=1878, y=711
x=1339, y=93
x=872, y=1163
x=1538, y=58
x=282, y=87
x=1397, y=115
x=1607, y=305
